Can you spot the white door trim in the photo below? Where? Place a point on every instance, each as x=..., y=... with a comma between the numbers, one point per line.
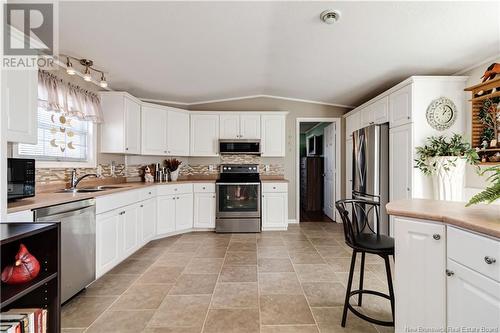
x=338, y=164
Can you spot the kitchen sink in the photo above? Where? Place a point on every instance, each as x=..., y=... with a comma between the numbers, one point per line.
x=91, y=189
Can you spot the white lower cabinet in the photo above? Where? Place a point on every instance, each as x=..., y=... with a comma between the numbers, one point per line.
x=166, y=214
x=175, y=213
x=183, y=212
x=147, y=220
x=445, y=278
x=274, y=206
x=130, y=221
x=108, y=231
x=420, y=280
x=204, y=210
x=473, y=299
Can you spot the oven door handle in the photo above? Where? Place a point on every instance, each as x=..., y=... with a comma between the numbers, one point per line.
x=237, y=184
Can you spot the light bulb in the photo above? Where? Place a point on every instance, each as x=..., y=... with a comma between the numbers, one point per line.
x=86, y=75
x=103, y=82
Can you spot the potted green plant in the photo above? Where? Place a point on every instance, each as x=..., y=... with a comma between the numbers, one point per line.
x=492, y=192
x=445, y=159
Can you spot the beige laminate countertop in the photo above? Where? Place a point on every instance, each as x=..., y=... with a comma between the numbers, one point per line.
x=484, y=219
x=45, y=199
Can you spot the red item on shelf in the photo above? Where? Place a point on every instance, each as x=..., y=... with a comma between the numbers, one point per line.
x=25, y=269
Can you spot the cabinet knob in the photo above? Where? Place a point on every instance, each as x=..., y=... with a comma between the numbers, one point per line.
x=490, y=260
x=126, y=148
x=203, y=187
x=123, y=212
x=436, y=236
x=141, y=206
x=449, y=272
x=149, y=192
x=213, y=196
x=177, y=198
x=274, y=187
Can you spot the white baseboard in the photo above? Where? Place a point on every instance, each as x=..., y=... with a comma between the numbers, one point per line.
x=285, y=228
x=292, y=221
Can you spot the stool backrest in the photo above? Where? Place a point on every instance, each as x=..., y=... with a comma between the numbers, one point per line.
x=356, y=215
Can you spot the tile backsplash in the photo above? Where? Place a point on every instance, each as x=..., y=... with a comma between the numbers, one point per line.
x=134, y=171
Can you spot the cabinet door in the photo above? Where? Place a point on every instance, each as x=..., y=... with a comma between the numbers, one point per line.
x=420, y=285
x=380, y=110
x=274, y=210
x=183, y=211
x=473, y=299
x=204, y=135
x=352, y=123
x=273, y=135
x=130, y=216
x=367, y=117
x=166, y=214
x=400, y=107
x=400, y=162
x=229, y=126
x=147, y=220
x=250, y=126
x=19, y=99
x=348, y=169
x=154, y=131
x=107, y=241
x=204, y=210
x=132, y=127
x=178, y=133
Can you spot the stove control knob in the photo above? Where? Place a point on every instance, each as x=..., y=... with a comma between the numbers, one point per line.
x=229, y=168
x=249, y=168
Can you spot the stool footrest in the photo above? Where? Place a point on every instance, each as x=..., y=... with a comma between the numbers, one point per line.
x=365, y=317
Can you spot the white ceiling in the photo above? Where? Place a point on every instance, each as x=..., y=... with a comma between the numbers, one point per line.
x=197, y=51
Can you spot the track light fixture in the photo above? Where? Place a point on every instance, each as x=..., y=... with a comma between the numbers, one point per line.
x=87, y=73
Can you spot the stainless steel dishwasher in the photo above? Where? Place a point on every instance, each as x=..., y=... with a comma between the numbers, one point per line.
x=77, y=243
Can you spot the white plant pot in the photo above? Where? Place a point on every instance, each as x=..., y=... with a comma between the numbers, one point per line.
x=448, y=179
x=174, y=175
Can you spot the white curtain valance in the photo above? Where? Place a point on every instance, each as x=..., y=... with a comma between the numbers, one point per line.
x=69, y=99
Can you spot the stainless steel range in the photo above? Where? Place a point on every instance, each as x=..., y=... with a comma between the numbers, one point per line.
x=238, y=199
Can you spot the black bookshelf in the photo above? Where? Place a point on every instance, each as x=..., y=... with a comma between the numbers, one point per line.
x=43, y=241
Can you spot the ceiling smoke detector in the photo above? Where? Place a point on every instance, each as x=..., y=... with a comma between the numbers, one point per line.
x=330, y=16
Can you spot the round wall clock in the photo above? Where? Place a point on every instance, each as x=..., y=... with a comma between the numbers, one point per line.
x=441, y=113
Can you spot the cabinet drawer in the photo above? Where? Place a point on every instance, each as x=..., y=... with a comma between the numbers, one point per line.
x=274, y=187
x=204, y=188
x=147, y=193
x=474, y=251
x=174, y=189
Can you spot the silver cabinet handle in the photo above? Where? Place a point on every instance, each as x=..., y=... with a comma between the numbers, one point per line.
x=436, y=236
x=490, y=260
x=449, y=272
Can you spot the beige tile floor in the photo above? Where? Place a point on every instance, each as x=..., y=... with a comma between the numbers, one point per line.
x=272, y=282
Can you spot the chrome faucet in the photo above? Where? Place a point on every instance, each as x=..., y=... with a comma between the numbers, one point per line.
x=74, y=180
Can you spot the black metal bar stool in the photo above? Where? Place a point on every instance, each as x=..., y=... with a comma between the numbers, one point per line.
x=362, y=238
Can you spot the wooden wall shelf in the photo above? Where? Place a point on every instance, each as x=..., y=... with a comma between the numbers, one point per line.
x=477, y=104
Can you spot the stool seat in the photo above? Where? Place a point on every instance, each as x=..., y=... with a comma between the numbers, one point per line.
x=375, y=242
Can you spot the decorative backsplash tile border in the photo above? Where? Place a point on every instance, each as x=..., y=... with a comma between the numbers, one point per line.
x=135, y=172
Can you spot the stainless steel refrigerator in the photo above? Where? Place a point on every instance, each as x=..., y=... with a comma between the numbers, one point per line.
x=370, y=167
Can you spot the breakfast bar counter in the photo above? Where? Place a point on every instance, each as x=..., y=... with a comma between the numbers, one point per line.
x=484, y=219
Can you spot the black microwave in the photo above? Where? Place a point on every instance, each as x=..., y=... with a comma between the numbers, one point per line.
x=248, y=147
x=20, y=178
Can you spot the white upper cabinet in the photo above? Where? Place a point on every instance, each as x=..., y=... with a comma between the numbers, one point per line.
x=154, y=130
x=239, y=126
x=250, y=126
x=20, y=102
x=380, y=110
x=178, y=132
x=352, y=123
x=121, y=129
x=273, y=135
x=229, y=126
x=400, y=106
x=367, y=116
x=204, y=134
